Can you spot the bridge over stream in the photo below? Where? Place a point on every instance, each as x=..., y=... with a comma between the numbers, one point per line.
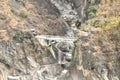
x=57, y=38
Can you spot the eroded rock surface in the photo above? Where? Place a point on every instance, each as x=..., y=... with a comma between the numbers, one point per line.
x=40, y=40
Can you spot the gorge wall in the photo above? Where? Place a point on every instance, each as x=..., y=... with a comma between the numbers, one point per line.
x=75, y=48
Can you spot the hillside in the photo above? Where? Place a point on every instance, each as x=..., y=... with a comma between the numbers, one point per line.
x=59, y=39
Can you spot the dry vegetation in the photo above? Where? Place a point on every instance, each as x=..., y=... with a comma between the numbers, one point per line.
x=106, y=16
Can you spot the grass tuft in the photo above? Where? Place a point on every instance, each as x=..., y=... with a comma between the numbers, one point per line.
x=23, y=14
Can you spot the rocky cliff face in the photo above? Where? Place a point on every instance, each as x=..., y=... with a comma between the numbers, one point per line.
x=54, y=40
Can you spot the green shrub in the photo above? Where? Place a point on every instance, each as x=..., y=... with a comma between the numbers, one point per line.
x=91, y=15
x=106, y=23
x=99, y=38
x=18, y=36
x=14, y=11
x=116, y=36
x=100, y=23
x=23, y=14
x=91, y=11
